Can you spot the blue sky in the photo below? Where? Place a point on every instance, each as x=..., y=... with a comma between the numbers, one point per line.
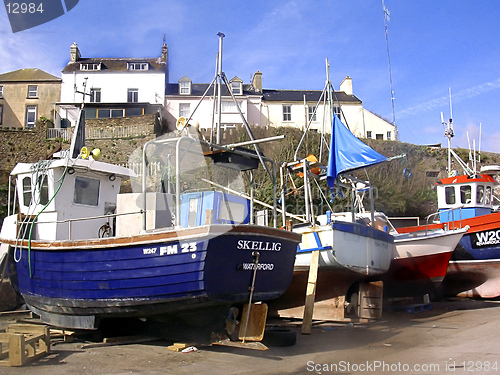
x=434, y=46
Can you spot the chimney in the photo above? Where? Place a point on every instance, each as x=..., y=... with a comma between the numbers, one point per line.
x=257, y=81
x=346, y=85
x=164, y=53
x=74, y=53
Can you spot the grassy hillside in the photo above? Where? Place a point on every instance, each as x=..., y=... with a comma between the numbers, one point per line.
x=397, y=194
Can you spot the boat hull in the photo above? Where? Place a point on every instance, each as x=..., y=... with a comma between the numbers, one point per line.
x=348, y=253
x=476, y=258
x=420, y=262
x=76, y=283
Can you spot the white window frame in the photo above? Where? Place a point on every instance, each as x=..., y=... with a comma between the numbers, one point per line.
x=132, y=95
x=389, y=135
x=95, y=95
x=1, y=92
x=311, y=115
x=90, y=66
x=30, y=109
x=287, y=112
x=236, y=88
x=184, y=110
x=184, y=87
x=32, y=91
x=137, y=66
x=1, y=114
x=369, y=134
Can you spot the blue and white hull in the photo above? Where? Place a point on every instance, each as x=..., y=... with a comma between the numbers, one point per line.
x=77, y=283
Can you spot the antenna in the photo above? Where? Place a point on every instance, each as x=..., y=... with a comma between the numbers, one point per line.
x=387, y=17
x=448, y=133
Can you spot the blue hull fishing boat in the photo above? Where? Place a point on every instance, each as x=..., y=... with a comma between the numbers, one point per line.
x=80, y=251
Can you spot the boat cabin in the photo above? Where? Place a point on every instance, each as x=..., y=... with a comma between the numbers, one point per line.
x=57, y=195
x=473, y=195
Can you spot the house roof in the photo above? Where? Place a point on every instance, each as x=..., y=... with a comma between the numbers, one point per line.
x=310, y=95
x=28, y=75
x=198, y=89
x=115, y=64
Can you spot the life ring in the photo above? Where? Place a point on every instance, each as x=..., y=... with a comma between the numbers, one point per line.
x=406, y=173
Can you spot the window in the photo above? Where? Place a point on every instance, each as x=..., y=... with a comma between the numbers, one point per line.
x=369, y=134
x=86, y=191
x=389, y=136
x=1, y=114
x=449, y=193
x=311, y=114
x=30, y=116
x=236, y=88
x=133, y=112
x=26, y=191
x=138, y=66
x=95, y=95
x=287, y=113
x=379, y=136
x=337, y=111
x=133, y=95
x=42, y=188
x=184, y=87
x=487, y=196
x=465, y=194
x=184, y=110
x=1, y=92
x=32, y=91
x=107, y=113
x=90, y=66
x=480, y=194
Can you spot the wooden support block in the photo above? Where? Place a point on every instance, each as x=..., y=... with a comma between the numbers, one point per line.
x=310, y=293
x=23, y=343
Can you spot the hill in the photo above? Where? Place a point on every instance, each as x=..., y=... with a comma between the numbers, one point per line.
x=404, y=187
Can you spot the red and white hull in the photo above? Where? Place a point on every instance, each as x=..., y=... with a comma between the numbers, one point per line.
x=420, y=261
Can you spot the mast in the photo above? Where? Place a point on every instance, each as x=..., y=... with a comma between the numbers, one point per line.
x=387, y=17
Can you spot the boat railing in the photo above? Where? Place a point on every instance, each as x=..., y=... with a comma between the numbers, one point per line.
x=71, y=221
x=451, y=218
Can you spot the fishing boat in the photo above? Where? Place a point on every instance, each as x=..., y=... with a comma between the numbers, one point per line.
x=467, y=200
x=347, y=251
x=420, y=259
x=80, y=251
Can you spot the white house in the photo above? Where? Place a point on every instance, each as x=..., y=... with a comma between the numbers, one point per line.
x=267, y=107
x=182, y=98
x=113, y=87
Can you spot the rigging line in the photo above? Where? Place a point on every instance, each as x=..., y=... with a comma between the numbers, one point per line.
x=387, y=16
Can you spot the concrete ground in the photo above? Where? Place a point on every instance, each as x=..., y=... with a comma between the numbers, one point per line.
x=456, y=336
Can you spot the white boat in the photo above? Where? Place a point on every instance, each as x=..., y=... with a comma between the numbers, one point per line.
x=348, y=251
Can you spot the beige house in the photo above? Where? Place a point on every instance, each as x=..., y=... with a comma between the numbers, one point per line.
x=26, y=95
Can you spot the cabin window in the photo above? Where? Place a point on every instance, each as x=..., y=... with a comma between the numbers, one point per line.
x=232, y=211
x=43, y=190
x=450, y=194
x=26, y=191
x=480, y=194
x=465, y=194
x=193, y=210
x=86, y=191
x=488, y=196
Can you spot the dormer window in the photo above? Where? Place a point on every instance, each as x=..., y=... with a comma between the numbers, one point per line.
x=90, y=66
x=236, y=86
x=138, y=66
x=185, y=86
